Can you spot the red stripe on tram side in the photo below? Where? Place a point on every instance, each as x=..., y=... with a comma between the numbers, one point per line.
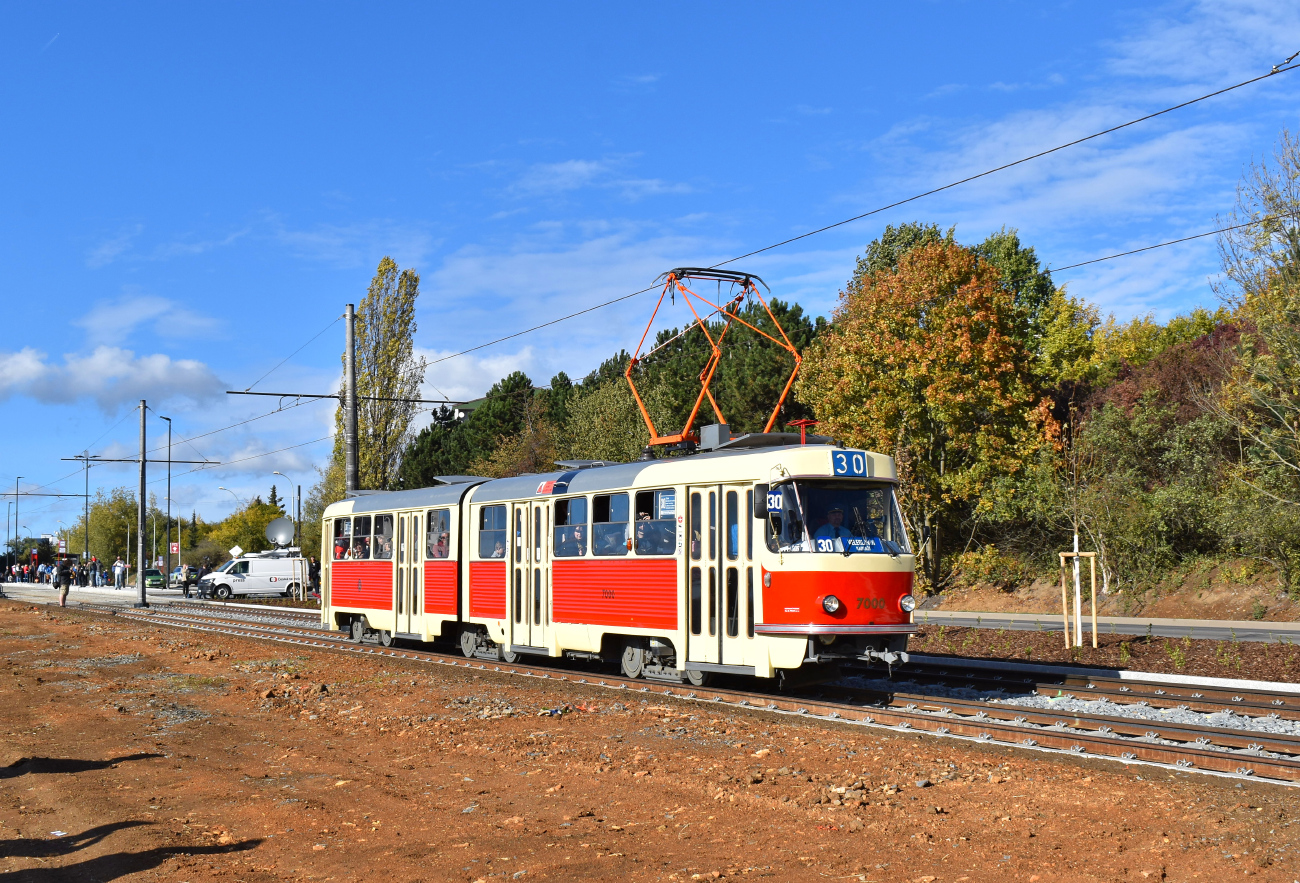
x=865, y=598
x=487, y=589
x=621, y=592
x=440, y=586
x=364, y=584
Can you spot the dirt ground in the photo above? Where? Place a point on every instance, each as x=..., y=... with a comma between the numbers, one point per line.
x=1214, y=593
x=1249, y=660
x=143, y=753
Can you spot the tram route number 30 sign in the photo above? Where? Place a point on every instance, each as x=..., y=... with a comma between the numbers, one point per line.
x=852, y=463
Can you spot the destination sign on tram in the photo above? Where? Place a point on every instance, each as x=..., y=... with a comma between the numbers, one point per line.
x=851, y=463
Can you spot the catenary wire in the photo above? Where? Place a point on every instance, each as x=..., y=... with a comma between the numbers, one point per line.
x=294, y=353
x=1284, y=67
x=1124, y=254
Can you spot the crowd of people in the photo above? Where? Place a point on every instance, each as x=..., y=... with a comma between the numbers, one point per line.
x=85, y=574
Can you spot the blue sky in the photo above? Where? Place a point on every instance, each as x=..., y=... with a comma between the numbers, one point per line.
x=189, y=192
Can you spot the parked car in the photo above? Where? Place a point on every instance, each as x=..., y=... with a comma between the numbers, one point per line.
x=278, y=573
x=153, y=579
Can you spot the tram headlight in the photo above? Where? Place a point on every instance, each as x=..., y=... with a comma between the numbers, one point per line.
x=908, y=603
x=830, y=604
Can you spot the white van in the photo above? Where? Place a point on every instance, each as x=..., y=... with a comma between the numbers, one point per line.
x=281, y=572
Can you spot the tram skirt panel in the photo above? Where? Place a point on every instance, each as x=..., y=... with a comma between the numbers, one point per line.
x=487, y=589
x=622, y=593
x=440, y=587
x=364, y=584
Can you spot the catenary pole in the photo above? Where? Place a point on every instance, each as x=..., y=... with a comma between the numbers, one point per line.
x=141, y=601
x=350, y=400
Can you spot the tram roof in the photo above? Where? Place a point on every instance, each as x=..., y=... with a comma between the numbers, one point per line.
x=449, y=494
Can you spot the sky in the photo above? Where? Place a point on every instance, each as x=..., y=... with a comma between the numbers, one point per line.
x=189, y=193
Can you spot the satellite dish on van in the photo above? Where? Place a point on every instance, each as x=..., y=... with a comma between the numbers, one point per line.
x=280, y=531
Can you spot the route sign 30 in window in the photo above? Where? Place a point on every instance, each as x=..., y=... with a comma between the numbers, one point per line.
x=852, y=463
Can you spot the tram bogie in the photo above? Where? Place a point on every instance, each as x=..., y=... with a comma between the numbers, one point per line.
x=770, y=561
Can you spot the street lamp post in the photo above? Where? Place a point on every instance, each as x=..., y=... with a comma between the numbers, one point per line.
x=167, y=572
x=8, y=509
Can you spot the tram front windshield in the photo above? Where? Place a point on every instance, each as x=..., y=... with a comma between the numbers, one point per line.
x=834, y=516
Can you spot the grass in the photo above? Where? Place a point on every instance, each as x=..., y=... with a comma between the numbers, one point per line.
x=194, y=682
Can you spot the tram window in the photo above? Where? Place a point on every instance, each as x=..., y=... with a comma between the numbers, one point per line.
x=609, y=524
x=713, y=526
x=733, y=526
x=695, y=528
x=492, y=532
x=519, y=534
x=749, y=601
x=342, y=539
x=537, y=533
x=401, y=539
x=695, y=600
x=519, y=595
x=400, y=596
x=656, y=522
x=361, y=537
x=415, y=591
x=749, y=525
x=383, y=545
x=537, y=596
x=733, y=602
x=571, y=527
x=837, y=516
x=437, y=536
x=713, y=601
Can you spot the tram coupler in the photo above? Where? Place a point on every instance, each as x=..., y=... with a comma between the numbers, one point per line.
x=888, y=657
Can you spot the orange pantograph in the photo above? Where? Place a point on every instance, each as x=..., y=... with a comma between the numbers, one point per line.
x=675, y=282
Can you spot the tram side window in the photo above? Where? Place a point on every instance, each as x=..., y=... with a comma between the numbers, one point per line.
x=437, y=535
x=383, y=545
x=571, y=527
x=342, y=539
x=492, y=532
x=656, y=522
x=361, y=537
x=609, y=524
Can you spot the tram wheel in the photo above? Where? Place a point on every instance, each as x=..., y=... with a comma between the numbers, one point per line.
x=358, y=630
x=468, y=643
x=633, y=661
x=509, y=657
x=386, y=638
x=698, y=678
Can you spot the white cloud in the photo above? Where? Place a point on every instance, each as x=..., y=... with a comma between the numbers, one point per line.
x=1210, y=42
x=114, y=247
x=552, y=179
x=111, y=322
x=109, y=376
x=361, y=244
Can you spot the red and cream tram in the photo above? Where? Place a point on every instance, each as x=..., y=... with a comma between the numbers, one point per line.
x=759, y=558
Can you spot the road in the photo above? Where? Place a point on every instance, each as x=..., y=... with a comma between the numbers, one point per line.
x=1207, y=629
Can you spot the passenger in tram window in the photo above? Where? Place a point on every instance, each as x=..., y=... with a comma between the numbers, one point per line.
x=500, y=550
x=572, y=543
x=440, y=548
x=360, y=548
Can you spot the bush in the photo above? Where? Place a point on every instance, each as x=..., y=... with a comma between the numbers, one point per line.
x=991, y=566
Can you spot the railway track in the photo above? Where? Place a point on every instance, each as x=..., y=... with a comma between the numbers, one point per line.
x=1175, y=746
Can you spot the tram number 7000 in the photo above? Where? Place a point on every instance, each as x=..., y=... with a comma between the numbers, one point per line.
x=849, y=463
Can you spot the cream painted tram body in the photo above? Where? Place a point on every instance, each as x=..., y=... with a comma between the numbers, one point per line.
x=764, y=562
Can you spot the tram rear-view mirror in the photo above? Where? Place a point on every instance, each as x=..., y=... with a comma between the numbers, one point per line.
x=760, y=501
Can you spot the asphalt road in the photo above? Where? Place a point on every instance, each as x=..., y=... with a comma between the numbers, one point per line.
x=1208, y=629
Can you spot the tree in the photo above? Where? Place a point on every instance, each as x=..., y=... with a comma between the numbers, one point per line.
x=926, y=363
x=388, y=377
x=246, y=527
x=531, y=449
x=275, y=499
x=605, y=423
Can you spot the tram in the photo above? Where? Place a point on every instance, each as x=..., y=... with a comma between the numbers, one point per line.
x=756, y=556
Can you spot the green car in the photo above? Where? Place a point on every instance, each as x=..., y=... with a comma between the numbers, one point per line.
x=153, y=579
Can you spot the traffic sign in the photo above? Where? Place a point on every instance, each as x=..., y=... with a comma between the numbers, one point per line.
x=176, y=548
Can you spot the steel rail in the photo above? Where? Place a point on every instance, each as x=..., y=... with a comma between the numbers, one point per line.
x=1108, y=745
x=1157, y=694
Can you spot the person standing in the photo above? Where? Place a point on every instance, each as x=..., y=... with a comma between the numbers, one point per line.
x=313, y=575
x=63, y=577
x=119, y=573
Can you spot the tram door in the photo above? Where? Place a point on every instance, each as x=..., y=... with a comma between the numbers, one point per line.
x=530, y=615
x=407, y=602
x=719, y=557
